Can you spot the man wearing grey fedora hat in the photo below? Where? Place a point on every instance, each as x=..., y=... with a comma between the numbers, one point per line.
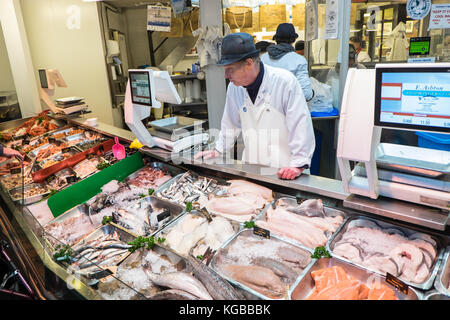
x=267, y=105
x=283, y=55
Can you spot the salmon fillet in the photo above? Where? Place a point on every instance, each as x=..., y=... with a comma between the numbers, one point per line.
x=335, y=284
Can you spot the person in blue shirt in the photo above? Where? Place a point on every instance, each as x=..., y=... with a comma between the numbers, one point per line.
x=283, y=55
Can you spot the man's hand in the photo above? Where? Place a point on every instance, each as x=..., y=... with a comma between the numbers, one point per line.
x=11, y=153
x=208, y=154
x=289, y=173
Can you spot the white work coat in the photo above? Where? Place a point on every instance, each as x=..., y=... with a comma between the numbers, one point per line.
x=362, y=56
x=296, y=64
x=277, y=128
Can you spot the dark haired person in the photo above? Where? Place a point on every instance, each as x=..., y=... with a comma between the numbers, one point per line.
x=283, y=55
x=262, y=46
x=267, y=104
x=300, y=47
x=360, y=56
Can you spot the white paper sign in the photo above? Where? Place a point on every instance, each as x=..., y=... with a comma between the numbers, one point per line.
x=331, y=20
x=439, y=16
x=312, y=27
x=158, y=18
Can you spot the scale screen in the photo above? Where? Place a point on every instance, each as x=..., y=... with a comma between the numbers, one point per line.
x=419, y=46
x=140, y=88
x=413, y=98
x=43, y=78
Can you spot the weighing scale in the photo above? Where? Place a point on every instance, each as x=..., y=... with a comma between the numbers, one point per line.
x=147, y=89
x=49, y=79
x=413, y=96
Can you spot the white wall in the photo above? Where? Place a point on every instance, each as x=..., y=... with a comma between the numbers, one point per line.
x=6, y=78
x=66, y=35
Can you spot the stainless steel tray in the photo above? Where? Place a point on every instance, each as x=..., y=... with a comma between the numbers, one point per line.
x=36, y=167
x=175, y=210
x=164, y=231
x=89, y=174
x=27, y=200
x=176, y=125
x=173, y=171
x=435, y=295
x=58, y=157
x=80, y=210
x=136, y=259
x=124, y=237
x=442, y=282
x=427, y=284
x=68, y=171
x=219, y=181
x=414, y=160
x=244, y=287
x=304, y=286
x=175, y=179
x=330, y=212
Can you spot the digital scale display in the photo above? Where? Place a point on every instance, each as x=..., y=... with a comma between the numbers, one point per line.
x=140, y=88
x=419, y=46
x=413, y=99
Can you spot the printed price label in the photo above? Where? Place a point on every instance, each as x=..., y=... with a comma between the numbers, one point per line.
x=397, y=283
x=64, y=150
x=51, y=140
x=71, y=179
x=50, y=179
x=163, y=215
x=261, y=232
x=15, y=171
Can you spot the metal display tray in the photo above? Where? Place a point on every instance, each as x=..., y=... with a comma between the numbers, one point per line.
x=173, y=171
x=244, y=287
x=28, y=200
x=36, y=167
x=419, y=161
x=330, y=212
x=175, y=179
x=78, y=210
x=219, y=181
x=124, y=237
x=136, y=259
x=164, y=231
x=58, y=157
x=175, y=210
x=427, y=284
x=176, y=125
x=305, y=285
x=442, y=282
x=435, y=295
x=89, y=174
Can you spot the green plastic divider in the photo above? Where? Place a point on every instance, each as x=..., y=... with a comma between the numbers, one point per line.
x=82, y=191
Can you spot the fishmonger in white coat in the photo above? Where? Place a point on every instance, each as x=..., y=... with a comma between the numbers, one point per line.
x=268, y=105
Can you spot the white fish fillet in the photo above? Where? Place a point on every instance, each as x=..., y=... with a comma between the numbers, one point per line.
x=241, y=186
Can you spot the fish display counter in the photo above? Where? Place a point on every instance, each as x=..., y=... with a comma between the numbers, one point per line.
x=149, y=227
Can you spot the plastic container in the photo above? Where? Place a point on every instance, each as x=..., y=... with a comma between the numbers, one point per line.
x=439, y=141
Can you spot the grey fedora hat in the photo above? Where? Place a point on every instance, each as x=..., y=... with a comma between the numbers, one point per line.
x=236, y=47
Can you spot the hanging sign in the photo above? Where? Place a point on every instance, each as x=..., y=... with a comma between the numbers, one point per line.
x=331, y=20
x=158, y=18
x=312, y=28
x=178, y=6
x=418, y=9
x=439, y=16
